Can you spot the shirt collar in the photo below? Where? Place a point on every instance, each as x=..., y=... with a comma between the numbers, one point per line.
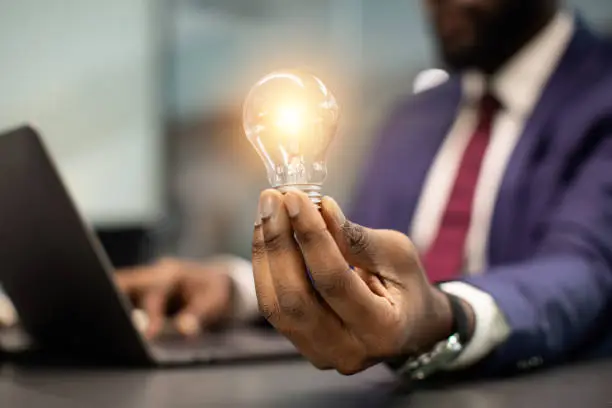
x=519, y=84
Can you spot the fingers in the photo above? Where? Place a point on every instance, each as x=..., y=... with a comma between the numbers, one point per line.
x=268, y=304
x=294, y=293
x=139, y=278
x=153, y=303
x=345, y=292
x=355, y=242
x=384, y=251
x=150, y=286
x=126, y=279
x=208, y=301
x=286, y=296
x=140, y=320
x=264, y=287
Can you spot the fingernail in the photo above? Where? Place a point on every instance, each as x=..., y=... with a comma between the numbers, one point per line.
x=140, y=320
x=335, y=210
x=292, y=204
x=268, y=204
x=188, y=325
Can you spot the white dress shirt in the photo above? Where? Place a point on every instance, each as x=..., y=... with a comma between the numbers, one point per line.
x=518, y=87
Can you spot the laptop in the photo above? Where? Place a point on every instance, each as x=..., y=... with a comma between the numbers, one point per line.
x=59, y=278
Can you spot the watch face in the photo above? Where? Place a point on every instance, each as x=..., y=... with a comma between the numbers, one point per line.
x=442, y=354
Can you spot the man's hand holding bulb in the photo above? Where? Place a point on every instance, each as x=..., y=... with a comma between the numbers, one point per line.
x=347, y=296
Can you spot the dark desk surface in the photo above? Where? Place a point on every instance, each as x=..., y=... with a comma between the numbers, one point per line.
x=293, y=384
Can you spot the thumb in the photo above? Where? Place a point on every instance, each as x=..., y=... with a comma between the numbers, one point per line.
x=357, y=243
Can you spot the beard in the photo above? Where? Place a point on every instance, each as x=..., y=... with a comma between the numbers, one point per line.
x=495, y=37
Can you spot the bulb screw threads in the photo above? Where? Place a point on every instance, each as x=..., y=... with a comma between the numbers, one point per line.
x=313, y=191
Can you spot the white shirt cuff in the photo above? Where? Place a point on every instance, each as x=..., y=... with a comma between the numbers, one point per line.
x=245, y=308
x=491, y=328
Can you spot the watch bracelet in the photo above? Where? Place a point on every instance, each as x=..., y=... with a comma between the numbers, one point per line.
x=443, y=353
x=426, y=364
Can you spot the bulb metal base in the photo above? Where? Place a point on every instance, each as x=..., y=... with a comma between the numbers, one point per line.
x=313, y=191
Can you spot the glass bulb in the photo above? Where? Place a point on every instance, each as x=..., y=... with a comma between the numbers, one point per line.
x=290, y=118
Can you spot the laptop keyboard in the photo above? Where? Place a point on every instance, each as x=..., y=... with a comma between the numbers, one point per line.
x=222, y=346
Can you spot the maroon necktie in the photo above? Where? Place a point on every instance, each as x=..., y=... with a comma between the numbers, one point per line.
x=444, y=259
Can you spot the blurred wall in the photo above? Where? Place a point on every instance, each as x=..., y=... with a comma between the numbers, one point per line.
x=85, y=73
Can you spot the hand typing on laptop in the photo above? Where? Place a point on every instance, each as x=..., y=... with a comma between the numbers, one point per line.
x=190, y=296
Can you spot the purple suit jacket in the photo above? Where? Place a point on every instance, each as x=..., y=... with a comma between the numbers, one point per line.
x=550, y=244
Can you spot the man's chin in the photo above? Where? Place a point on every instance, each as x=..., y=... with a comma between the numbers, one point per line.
x=461, y=59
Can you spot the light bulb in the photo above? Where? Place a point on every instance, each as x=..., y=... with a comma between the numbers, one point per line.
x=290, y=118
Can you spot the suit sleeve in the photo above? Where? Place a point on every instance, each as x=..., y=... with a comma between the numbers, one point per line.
x=559, y=299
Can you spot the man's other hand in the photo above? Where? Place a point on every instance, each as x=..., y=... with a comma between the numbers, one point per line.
x=348, y=297
x=202, y=293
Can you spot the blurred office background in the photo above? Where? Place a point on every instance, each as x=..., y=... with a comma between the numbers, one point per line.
x=140, y=101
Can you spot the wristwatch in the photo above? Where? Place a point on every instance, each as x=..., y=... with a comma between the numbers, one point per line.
x=442, y=354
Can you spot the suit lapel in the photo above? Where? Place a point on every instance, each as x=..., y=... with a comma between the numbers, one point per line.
x=421, y=135
x=570, y=76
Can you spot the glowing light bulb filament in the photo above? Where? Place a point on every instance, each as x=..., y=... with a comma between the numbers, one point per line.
x=290, y=119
